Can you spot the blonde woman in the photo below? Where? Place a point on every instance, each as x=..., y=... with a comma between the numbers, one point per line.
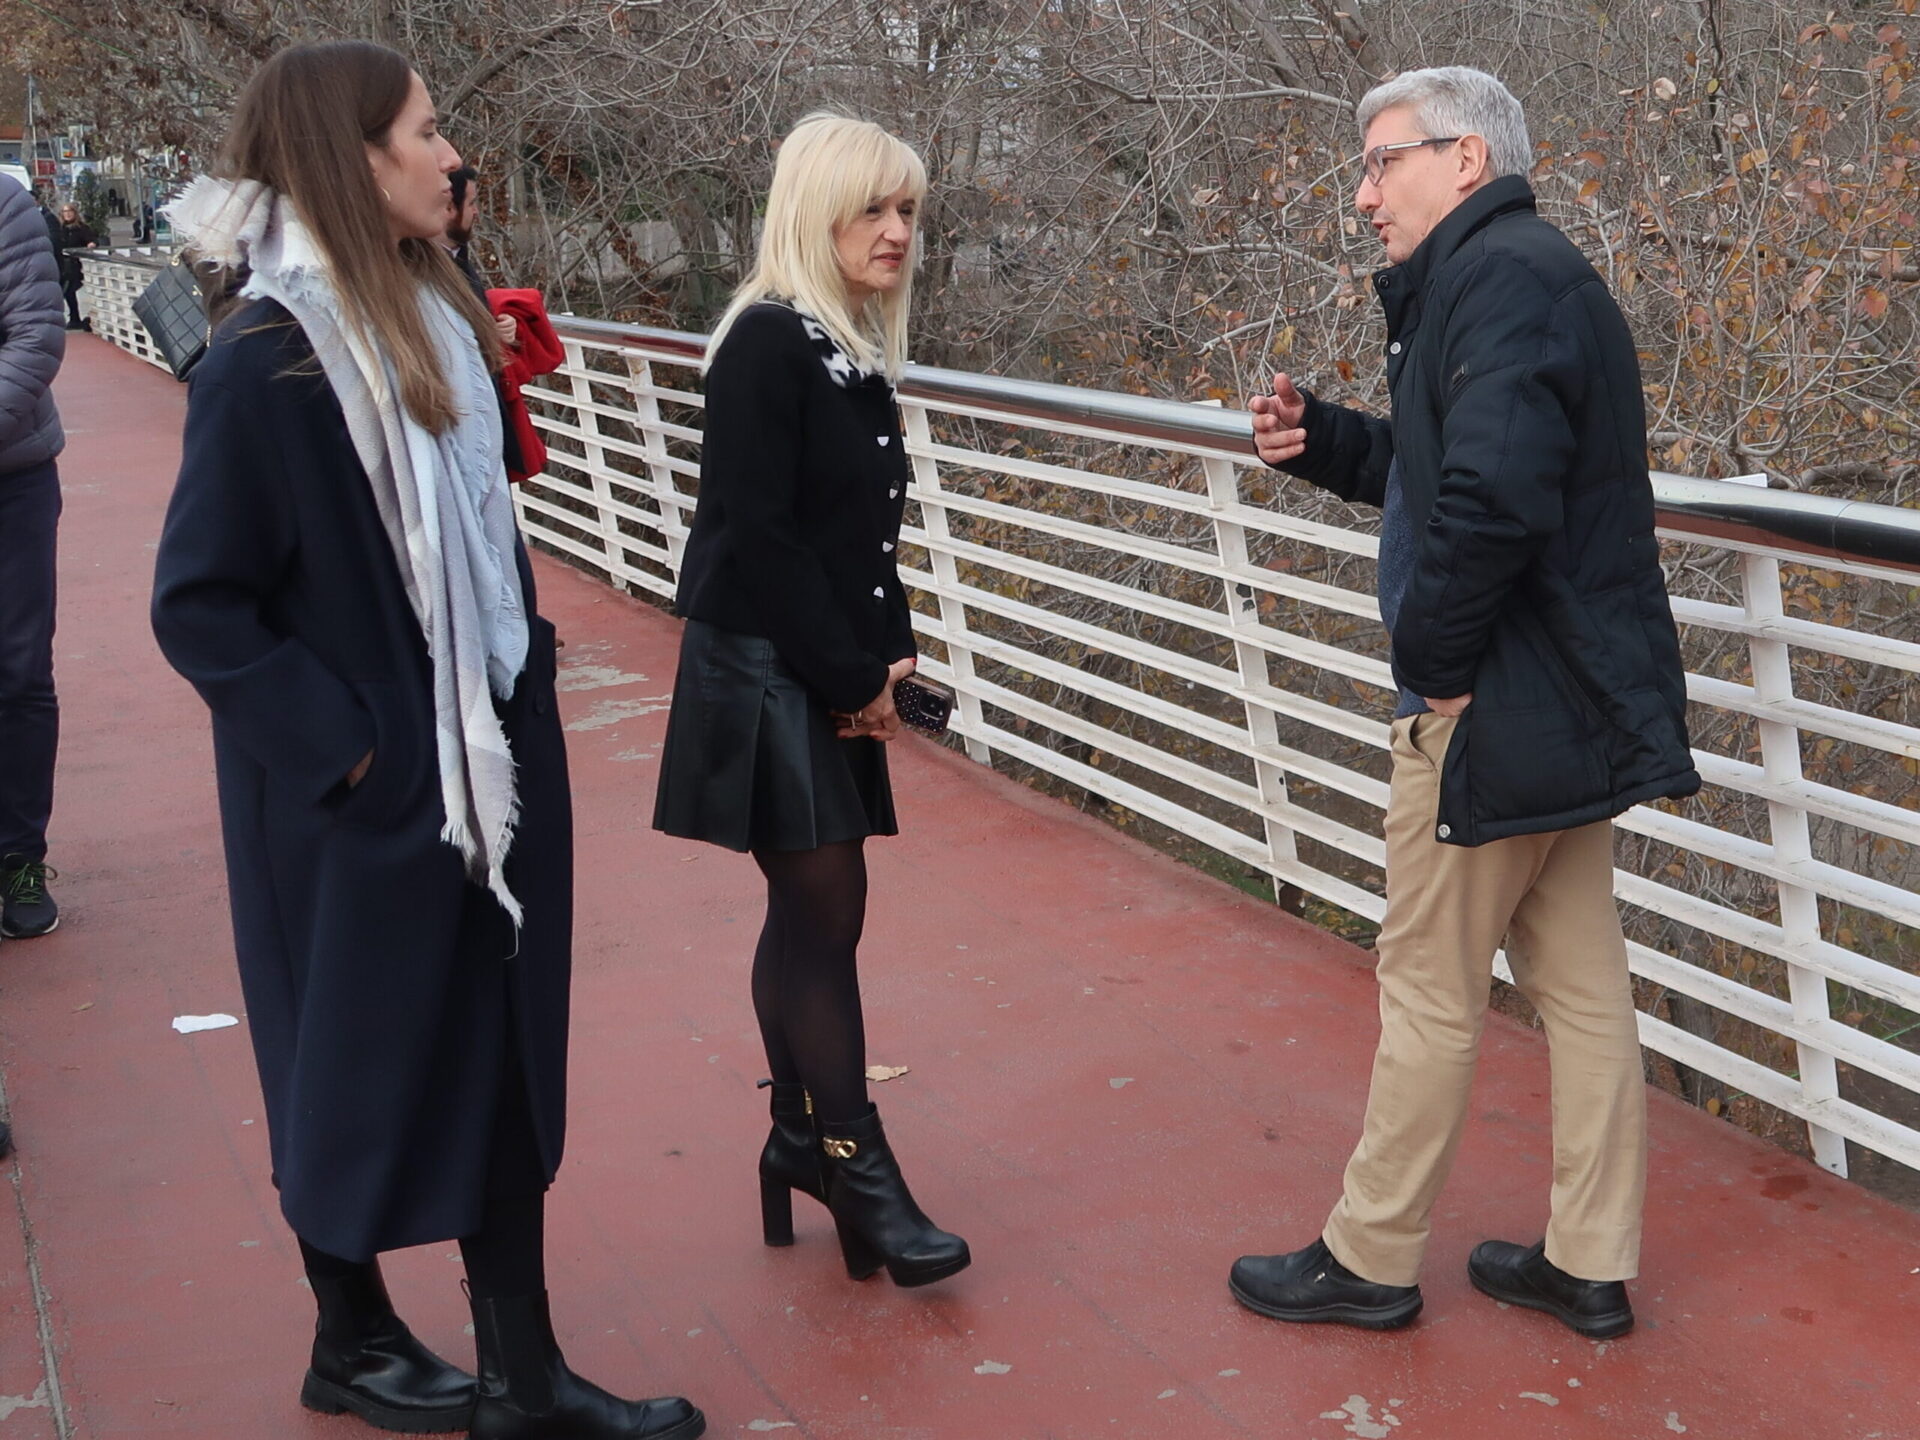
x=797, y=632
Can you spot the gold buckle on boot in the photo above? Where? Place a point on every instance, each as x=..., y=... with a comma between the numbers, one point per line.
x=840, y=1149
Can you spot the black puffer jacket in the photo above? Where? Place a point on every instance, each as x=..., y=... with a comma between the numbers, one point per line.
x=1520, y=432
x=33, y=334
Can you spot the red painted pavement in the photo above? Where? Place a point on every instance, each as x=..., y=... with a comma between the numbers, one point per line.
x=1123, y=1074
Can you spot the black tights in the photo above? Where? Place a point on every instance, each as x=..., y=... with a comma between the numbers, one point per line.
x=806, y=986
x=323, y=1266
x=505, y=1257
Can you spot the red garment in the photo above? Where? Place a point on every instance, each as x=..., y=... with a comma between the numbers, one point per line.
x=537, y=351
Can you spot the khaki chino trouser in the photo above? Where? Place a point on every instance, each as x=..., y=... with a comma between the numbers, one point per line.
x=1448, y=906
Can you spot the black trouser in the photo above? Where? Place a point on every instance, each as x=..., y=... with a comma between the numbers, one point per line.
x=71, y=289
x=29, y=711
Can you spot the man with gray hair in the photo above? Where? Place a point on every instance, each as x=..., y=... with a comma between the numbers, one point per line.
x=1541, y=694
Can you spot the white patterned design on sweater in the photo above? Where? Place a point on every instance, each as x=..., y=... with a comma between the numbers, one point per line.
x=840, y=365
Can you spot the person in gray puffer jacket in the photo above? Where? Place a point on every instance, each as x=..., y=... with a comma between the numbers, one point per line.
x=33, y=340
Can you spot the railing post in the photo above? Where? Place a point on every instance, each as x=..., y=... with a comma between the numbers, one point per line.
x=646, y=403
x=1243, y=611
x=595, y=460
x=1792, y=846
x=953, y=614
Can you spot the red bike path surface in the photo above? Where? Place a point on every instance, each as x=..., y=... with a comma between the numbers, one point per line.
x=1122, y=1074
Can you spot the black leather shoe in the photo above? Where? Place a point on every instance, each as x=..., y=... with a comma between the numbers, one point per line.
x=874, y=1212
x=1522, y=1275
x=790, y=1162
x=367, y=1363
x=1310, y=1287
x=528, y=1393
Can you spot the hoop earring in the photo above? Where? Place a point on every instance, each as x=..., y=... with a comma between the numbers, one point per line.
x=384, y=191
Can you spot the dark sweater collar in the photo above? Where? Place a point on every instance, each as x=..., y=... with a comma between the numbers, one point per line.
x=1400, y=285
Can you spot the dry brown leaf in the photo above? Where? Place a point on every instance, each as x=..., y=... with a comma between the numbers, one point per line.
x=885, y=1072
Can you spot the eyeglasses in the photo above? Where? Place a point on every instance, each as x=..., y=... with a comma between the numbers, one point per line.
x=1375, y=160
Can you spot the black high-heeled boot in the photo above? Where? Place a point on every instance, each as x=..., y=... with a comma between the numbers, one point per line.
x=874, y=1212
x=367, y=1363
x=789, y=1162
x=528, y=1393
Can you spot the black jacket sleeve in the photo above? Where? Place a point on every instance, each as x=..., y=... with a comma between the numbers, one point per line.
x=1507, y=442
x=756, y=391
x=900, y=642
x=228, y=539
x=1348, y=452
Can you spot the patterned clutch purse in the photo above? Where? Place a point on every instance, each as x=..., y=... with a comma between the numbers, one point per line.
x=924, y=704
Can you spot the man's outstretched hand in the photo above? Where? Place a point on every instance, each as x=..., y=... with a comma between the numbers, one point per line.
x=1276, y=422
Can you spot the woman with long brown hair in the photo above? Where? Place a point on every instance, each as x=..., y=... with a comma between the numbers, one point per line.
x=342, y=580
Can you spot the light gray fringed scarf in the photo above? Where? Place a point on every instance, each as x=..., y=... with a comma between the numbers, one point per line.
x=442, y=498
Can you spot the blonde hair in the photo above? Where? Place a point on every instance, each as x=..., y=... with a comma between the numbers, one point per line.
x=829, y=170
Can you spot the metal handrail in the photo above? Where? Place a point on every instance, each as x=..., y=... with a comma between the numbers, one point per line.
x=127, y=255
x=1810, y=528
x=1804, y=527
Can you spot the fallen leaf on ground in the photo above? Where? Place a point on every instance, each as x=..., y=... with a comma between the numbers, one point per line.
x=885, y=1072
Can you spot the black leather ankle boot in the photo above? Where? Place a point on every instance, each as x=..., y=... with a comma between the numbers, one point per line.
x=790, y=1161
x=874, y=1212
x=367, y=1363
x=528, y=1393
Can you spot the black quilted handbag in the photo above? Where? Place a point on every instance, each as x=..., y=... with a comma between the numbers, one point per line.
x=175, y=315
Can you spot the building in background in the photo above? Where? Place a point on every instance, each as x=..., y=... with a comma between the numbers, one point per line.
x=52, y=157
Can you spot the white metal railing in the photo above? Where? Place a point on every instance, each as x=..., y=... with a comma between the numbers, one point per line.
x=1156, y=690
x=115, y=279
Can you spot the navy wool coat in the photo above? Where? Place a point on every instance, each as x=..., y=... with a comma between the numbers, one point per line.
x=387, y=996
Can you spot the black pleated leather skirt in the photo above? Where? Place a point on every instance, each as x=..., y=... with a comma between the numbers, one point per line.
x=751, y=760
